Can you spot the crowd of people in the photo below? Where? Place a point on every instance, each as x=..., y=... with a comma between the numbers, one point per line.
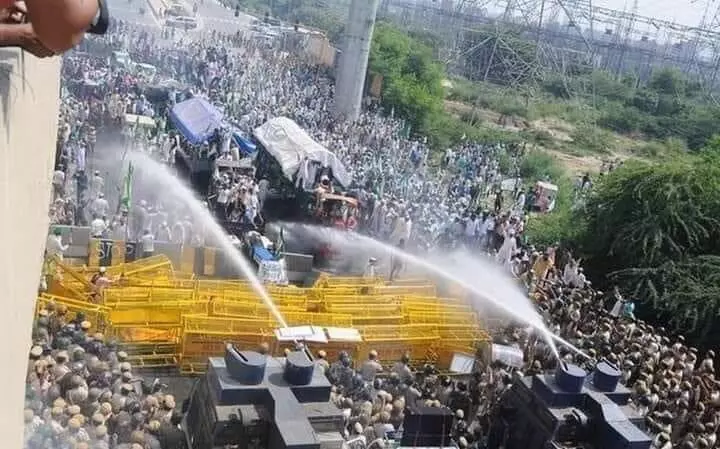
x=81, y=391
x=390, y=172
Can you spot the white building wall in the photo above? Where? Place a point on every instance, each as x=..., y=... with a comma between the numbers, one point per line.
x=29, y=101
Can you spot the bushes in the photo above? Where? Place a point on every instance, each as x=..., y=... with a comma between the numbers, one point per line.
x=540, y=165
x=591, y=139
x=660, y=149
x=559, y=226
x=653, y=230
x=622, y=119
x=549, y=229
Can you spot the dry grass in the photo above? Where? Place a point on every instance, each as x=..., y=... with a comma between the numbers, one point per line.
x=559, y=131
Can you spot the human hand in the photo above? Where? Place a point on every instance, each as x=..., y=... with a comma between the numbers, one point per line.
x=28, y=41
x=15, y=13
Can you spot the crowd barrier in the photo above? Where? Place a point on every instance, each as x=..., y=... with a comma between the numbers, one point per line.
x=165, y=317
x=83, y=249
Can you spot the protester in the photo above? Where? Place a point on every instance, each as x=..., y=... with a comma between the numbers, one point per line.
x=79, y=385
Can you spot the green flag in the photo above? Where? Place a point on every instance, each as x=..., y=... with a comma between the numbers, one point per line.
x=126, y=196
x=406, y=130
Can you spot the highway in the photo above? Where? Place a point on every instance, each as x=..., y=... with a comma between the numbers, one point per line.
x=211, y=15
x=129, y=11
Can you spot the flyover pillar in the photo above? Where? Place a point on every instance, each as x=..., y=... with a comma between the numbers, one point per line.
x=354, y=58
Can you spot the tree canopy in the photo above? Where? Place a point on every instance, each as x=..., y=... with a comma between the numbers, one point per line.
x=654, y=231
x=412, y=79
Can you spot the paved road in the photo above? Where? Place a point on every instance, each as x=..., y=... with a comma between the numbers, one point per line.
x=129, y=11
x=211, y=15
x=216, y=16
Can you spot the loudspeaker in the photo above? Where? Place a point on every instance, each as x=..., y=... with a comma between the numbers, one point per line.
x=427, y=427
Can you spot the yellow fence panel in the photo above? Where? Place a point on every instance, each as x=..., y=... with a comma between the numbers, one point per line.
x=141, y=266
x=416, y=290
x=154, y=333
x=201, y=324
x=165, y=317
x=384, y=320
x=354, y=299
x=113, y=295
x=441, y=318
x=94, y=313
x=154, y=312
x=318, y=319
x=341, y=290
x=365, y=309
x=240, y=309
x=412, y=332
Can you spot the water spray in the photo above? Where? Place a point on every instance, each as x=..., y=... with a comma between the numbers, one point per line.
x=162, y=176
x=361, y=241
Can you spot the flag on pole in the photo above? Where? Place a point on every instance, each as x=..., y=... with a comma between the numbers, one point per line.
x=406, y=130
x=126, y=196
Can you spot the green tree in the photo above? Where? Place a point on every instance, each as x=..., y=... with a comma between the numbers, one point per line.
x=606, y=86
x=668, y=81
x=620, y=118
x=654, y=229
x=412, y=79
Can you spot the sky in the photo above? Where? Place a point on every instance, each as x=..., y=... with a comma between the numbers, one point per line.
x=685, y=12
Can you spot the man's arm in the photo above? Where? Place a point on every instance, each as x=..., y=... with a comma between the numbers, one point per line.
x=61, y=24
x=22, y=35
x=11, y=34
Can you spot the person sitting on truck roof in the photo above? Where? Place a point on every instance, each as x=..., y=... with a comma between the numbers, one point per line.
x=325, y=186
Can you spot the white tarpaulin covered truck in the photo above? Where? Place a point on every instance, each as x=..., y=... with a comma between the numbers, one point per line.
x=297, y=153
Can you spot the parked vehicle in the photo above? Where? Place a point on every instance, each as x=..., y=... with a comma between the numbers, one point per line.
x=185, y=23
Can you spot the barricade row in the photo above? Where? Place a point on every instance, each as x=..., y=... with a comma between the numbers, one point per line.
x=165, y=317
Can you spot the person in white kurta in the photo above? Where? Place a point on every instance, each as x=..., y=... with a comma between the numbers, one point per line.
x=508, y=248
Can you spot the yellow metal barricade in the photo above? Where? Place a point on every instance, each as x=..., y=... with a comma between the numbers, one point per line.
x=256, y=309
x=142, y=266
x=165, y=315
x=318, y=319
x=201, y=324
x=96, y=314
x=114, y=295
x=350, y=281
x=413, y=332
x=117, y=256
x=355, y=299
x=442, y=318
x=320, y=293
x=392, y=342
x=154, y=333
x=365, y=309
x=416, y=290
x=382, y=319
x=150, y=313
x=94, y=253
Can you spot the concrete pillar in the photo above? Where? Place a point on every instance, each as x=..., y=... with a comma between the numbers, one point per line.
x=29, y=101
x=354, y=58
